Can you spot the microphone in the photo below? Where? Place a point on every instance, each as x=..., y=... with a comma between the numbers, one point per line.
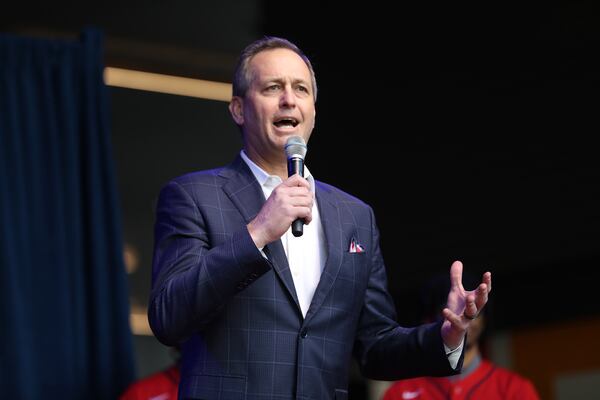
x=295, y=150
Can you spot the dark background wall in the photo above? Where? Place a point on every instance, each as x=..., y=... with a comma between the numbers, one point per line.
x=468, y=127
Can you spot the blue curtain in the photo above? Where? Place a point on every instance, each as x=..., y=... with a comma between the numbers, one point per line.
x=64, y=331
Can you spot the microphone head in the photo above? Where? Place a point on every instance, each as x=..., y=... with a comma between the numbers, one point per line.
x=295, y=147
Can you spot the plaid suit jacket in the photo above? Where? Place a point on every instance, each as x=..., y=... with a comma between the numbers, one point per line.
x=236, y=316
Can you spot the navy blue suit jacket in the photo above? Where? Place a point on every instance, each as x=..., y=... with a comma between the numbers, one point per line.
x=236, y=316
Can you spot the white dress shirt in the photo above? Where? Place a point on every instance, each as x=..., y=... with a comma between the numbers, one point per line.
x=306, y=254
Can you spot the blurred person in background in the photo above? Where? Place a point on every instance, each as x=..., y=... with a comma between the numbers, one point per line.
x=161, y=385
x=480, y=378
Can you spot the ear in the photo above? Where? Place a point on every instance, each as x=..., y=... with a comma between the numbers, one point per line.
x=236, y=107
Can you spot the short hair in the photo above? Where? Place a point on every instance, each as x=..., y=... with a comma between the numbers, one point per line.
x=242, y=78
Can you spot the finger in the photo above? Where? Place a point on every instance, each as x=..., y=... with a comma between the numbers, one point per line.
x=295, y=191
x=300, y=209
x=481, y=296
x=292, y=196
x=487, y=279
x=456, y=270
x=471, y=308
x=296, y=180
x=308, y=217
x=454, y=319
x=300, y=201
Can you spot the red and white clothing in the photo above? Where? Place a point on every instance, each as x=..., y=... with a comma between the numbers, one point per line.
x=483, y=380
x=159, y=386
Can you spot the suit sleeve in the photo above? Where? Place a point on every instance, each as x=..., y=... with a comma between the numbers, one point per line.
x=191, y=278
x=384, y=349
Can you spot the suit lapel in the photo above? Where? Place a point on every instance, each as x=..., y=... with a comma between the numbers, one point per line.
x=332, y=227
x=276, y=254
x=246, y=194
x=243, y=189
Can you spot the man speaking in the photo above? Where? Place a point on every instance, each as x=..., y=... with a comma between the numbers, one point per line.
x=261, y=312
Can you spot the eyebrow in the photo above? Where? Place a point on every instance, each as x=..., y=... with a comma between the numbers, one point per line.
x=281, y=79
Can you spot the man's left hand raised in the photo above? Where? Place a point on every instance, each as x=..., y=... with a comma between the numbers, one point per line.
x=463, y=305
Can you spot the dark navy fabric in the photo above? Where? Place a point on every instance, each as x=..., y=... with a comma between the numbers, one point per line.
x=64, y=309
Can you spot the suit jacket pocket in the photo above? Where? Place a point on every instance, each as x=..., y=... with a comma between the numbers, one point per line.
x=355, y=266
x=341, y=394
x=206, y=386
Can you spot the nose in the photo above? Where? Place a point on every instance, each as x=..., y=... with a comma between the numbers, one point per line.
x=288, y=99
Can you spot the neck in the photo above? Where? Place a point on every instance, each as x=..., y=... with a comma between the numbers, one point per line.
x=272, y=166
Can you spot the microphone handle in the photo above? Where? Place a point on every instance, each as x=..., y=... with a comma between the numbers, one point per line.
x=296, y=166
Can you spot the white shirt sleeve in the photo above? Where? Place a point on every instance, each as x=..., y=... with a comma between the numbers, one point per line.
x=454, y=354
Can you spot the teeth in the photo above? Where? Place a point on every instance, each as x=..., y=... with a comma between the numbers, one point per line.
x=286, y=122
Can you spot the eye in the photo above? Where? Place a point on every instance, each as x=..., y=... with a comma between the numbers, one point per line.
x=303, y=89
x=273, y=88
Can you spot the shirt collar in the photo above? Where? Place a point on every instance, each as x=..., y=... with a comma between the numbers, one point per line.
x=264, y=179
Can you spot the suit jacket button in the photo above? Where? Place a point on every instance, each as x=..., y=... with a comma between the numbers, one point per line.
x=304, y=333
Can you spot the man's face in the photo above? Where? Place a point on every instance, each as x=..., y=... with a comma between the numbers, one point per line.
x=279, y=103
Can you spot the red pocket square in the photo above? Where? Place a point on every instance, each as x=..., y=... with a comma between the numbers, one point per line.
x=355, y=247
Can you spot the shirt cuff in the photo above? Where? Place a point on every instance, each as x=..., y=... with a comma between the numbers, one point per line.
x=454, y=354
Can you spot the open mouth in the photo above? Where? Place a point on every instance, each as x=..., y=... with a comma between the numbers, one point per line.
x=286, y=122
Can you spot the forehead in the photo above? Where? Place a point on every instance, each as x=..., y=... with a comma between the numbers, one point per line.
x=278, y=64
